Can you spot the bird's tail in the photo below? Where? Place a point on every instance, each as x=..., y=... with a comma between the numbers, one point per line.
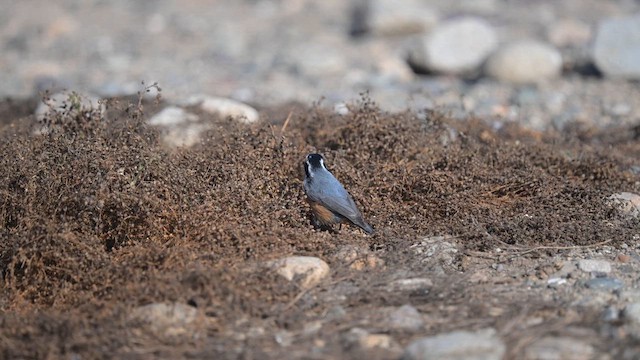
x=366, y=227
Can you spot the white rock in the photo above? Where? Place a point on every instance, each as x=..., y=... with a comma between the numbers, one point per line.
x=401, y=17
x=629, y=203
x=524, y=62
x=569, y=32
x=412, y=284
x=171, y=116
x=364, y=340
x=311, y=270
x=341, y=109
x=589, y=265
x=184, y=136
x=167, y=320
x=71, y=103
x=616, y=48
x=558, y=348
x=178, y=126
x=456, y=46
x=459, y=345
x=224, y=107
x=632, y=313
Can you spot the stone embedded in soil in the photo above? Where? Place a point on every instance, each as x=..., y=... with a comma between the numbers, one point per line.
x=460, y=345
x=224, y=107
x=358, y=259
x=69, y=103
x=559, y=348
x=628, y=203
x=591, y=265
x=400, y=17
x=456, y=46
x=406, y=317
x=616, y=48
x=436, y=252
x=172, y=116
x=524, y=62
x=410, y=285
x=604, y=284
x=179, y=127
x=308, y=269
x=167, y=320
x=365, y=340
x=631, y=313
x=569, y=32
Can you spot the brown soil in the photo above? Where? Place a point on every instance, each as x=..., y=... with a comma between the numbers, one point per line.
x=98, y=218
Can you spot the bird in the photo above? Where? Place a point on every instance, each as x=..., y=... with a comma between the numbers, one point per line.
x=328, y=199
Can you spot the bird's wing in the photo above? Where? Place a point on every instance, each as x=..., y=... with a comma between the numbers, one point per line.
x=342, y=204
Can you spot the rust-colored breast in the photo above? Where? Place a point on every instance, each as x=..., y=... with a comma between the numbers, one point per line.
x=324, y=215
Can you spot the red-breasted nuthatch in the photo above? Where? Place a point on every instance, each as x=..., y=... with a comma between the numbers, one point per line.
x=329, y=201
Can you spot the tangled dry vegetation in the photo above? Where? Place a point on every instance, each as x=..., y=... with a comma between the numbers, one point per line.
x=98, y=217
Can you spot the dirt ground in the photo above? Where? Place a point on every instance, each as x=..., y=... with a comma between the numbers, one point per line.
x=98, y=218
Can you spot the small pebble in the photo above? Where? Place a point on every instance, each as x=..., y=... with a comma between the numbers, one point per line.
x=559, y=348
x=631, y=313
x=628, y=203
x=412, y=284
x=224, y=107
x=605, y=284
x=455, y=46
x=616, y=48
x=166, y=319
x=310, y=270
x=600, y=266
x=460, y=345
x=525, y=62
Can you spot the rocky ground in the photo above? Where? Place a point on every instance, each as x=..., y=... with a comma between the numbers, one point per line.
x=495, y=150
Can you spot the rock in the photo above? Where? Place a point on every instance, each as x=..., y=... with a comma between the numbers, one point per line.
x=394, y=69
x=599, y=266
x=358, y=259
x=69, y=103
x=224, y=107
x=569, y=32
x=459, y=345
x=401, y=17
x=310, y=270
x=166, y=320
x=406, y=317
x=616, y=49
x=631, y=313
x=610, y=314
x=184, y=136
x=524, y=62
x=283, y=338
x=410, y=285
x=179, y=127
x=559, y=348
x=605, y=284
x=172, y=116
x=556, y=282
x=437, y=252
x=628, y=203
x=364, y=340
x=455, y=47
x=341, y=109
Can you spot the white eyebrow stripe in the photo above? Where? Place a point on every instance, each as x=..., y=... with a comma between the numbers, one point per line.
x=322, y=163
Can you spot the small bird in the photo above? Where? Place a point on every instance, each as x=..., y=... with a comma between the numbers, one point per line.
x=329, y=201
